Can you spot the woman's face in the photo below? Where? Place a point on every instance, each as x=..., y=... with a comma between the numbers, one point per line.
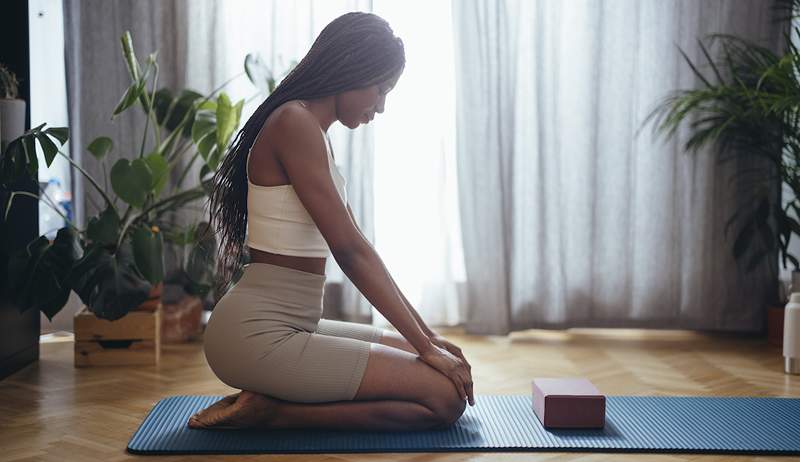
x=356, y=107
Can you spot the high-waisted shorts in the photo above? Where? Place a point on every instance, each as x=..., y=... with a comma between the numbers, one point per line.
x=266, y=335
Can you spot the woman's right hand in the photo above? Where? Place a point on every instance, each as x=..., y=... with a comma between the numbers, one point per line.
x=453, y=368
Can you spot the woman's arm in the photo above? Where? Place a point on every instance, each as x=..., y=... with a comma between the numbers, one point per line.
x=409, y=307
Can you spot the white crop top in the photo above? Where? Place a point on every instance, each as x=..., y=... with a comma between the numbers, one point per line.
x=277, y=221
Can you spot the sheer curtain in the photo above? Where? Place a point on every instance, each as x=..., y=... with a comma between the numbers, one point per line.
x=400, y=168
x=569, y=218
x=418, y=231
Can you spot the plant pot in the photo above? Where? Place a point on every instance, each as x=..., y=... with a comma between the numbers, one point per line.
x=134, y=339
x=153, y=302
x=12, y=119
x=775, y=325
x=181, y=321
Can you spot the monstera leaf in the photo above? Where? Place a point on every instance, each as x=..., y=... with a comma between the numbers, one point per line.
x=104, y=228
x=38, y=274
x=109, y=284
x=171, y=111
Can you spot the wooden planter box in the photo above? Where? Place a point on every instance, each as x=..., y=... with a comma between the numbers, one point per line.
x=181, y=321
x=134, y=339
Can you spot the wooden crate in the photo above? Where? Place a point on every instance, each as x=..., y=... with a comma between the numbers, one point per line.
x=133, y=339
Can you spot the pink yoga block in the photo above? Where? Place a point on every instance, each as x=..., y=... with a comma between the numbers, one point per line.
x=568, y=403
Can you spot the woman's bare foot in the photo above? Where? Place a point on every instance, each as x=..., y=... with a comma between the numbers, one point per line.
x=241, y=410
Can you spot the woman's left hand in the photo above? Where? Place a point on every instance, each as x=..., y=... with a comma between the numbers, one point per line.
x=442, y=342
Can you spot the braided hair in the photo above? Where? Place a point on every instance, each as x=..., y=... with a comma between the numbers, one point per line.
x=355, y=50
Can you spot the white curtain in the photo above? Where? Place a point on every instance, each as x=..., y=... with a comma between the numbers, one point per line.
x=569, y=218
x=400, y=168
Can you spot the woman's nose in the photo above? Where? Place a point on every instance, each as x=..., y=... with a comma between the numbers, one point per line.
x=379, y=106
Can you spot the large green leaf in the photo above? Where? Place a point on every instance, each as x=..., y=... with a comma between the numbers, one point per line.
x=148, y=252
x=162, y=103
x=259, y=73
x=109, y=284
x=228, y=116
x=131, y=181
x=159, y=170
x=38, y=273
x=104, y=228
x=214, y=125
x=100, y=146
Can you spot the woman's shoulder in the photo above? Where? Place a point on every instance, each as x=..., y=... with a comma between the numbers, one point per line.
x=291, y=118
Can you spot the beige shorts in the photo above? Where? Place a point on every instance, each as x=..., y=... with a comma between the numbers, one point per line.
x=266, y=335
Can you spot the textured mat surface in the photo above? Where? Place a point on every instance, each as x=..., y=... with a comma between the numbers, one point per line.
x=507, y=423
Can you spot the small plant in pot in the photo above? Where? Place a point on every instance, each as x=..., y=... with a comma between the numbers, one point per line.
x=12, y=109
x=747, y=108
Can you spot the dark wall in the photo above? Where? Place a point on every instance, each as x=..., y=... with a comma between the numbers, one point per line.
x=19, y=332
x=14, y=47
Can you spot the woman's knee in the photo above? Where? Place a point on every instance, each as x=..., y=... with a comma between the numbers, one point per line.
x=394, y=374
x=447, y=406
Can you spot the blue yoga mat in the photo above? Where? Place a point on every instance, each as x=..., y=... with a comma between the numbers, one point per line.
x=507, y=423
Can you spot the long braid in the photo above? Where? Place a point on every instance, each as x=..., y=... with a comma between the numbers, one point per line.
x=355, y=50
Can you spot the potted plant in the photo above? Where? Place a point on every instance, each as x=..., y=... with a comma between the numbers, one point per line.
x=747, y=107
x=117, y=262
x=12, y=109
x=114, y=263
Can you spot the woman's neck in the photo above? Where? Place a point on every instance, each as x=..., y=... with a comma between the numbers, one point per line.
x=324, y=109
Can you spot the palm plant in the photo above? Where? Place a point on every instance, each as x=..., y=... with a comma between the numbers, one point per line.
x=748, y=108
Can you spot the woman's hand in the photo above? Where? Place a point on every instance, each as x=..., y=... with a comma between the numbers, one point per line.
x=453, y=368
x=438, y=340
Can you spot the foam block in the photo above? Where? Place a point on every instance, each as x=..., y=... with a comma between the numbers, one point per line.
x=568, y=403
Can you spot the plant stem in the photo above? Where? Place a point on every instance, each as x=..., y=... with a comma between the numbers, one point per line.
x=47, y=203
x=180, y=149
x=186, y=170
x=91, y=180
x=149, y=104
x=127, y=222
x=105, y=173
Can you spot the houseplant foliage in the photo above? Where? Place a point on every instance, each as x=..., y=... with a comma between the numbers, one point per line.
x=8, y=84
x=115, y=261
x=748, y=107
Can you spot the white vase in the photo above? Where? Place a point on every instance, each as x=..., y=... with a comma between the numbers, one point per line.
x=12, y=120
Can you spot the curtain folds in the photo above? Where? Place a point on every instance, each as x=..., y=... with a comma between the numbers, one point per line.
x=568, y=217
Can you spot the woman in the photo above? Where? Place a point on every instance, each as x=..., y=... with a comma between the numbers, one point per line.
x=279, y=183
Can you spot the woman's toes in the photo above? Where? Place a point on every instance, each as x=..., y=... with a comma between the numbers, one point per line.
x=195, y=423
x=212, y=415
x=243, y=410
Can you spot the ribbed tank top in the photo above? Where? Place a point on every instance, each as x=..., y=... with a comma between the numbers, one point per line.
x=278, y=222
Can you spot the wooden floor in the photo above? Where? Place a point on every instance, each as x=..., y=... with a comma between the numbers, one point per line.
x=52, y=411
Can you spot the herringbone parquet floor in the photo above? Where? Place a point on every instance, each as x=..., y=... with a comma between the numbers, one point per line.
x=52, y=411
